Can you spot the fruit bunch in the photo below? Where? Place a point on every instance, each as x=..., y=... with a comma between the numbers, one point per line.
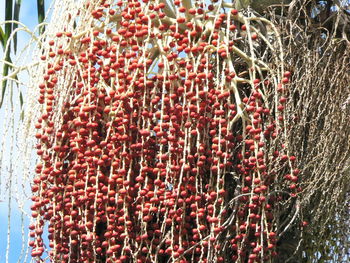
x=160, y=138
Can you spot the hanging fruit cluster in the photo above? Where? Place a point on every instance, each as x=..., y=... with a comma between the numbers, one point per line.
x=154, y=146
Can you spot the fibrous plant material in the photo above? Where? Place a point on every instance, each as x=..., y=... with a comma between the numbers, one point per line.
x=162, y=135
x=318, y=121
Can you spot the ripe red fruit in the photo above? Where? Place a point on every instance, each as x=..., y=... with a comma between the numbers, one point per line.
x=285, y=80
x=234, y=12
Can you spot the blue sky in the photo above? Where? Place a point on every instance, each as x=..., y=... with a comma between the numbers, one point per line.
x=28, y=16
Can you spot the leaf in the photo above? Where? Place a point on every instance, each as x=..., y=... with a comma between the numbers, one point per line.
x=8, y=30
x=16, y=17
x=21, y=102
x=2, y=38
x=8, y=16
x=5, y=72
x=21, y=98
x=41, y=14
